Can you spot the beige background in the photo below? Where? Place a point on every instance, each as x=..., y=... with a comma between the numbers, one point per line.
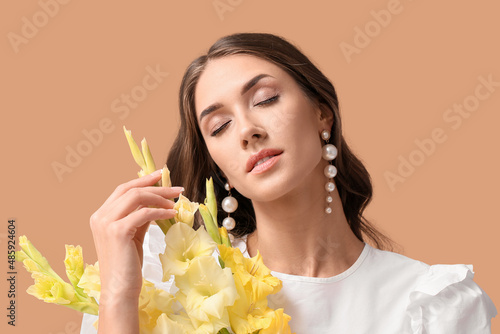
x=63, y=78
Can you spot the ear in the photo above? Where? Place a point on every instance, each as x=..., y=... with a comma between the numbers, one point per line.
x=325, y=117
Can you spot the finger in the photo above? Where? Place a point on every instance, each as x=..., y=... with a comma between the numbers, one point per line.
x=137, y=196
x=166, y=192
x=144, y=181
x=133, y=199
x=137, y=219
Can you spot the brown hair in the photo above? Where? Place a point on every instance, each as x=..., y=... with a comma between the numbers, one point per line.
x=190, y=162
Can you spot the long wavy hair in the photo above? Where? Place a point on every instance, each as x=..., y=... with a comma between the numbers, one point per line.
x=190, y=162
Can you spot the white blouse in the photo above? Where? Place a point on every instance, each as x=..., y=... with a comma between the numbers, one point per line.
x=381, y=293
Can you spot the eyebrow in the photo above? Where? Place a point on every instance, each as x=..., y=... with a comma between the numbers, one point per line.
x=252, y=82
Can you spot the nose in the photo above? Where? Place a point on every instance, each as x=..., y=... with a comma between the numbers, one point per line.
x=250, y=132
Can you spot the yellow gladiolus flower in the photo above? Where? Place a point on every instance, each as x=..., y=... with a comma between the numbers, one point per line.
x=185, y=210
x=74, y=264
x=279, y=323
x=263, y=283
x=254, y=283
x=48, y=286
x=38, y=262
x=153, y=302
x=165, y=324
x=208, y=211
x=183, y=244
x=136, y=153
x=148, y=158
x=210, y=200
x=165, y=224
x=90, y=281
x=253, y=272
x=247, y=315
x=205, y=291
x=224, y=236
x=245, y=312
x=165, y=177
x=210, y=224
x=51, y=290
x=145, y=160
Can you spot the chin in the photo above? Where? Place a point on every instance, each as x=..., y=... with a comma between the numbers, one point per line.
x=271, y=188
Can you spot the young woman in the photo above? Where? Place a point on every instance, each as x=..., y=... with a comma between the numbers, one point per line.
x=264, y=122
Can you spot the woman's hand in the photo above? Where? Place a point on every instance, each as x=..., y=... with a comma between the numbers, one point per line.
x=118, y=228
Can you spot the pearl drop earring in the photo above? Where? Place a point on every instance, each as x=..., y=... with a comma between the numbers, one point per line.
x=329, y=153
x=229, y=205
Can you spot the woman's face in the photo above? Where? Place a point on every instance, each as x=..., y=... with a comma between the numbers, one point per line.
x=259, y=127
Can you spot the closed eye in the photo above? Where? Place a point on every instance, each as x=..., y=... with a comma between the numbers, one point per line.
x=262, y=103
x=270, y=100
x=219, y=129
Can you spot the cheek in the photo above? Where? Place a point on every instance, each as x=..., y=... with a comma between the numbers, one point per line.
x=296, y=121
x=308, y=149
x=225, y=156
x=300, y=129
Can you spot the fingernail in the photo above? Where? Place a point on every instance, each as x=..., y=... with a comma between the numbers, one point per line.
x=156, y=173
x=179, y=189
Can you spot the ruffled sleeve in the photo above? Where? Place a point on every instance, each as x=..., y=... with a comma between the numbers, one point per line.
x=447, y=300
x=154, y=244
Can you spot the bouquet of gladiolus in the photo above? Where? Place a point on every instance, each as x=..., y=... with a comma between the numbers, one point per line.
x=212, y=296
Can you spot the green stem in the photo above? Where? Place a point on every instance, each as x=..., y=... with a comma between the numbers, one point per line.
x=221, y=262
x=210, y=225
x=164, y=224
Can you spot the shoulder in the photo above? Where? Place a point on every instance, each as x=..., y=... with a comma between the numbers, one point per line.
x=447, y=300
x=394, y=264
x=443, y=298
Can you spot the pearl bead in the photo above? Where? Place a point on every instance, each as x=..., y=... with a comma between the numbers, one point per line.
x=328, y=210
x=229, y=204
x=330, y=171
x=231, y=237
x=329, y=152
x=330, y=186
x=329, y=199
x=325, y=134
x=229, y=223
x=227, y=187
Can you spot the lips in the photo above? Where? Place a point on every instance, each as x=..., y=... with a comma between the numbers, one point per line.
x=261, y=156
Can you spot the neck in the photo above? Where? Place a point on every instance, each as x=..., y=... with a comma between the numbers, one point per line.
x=295, y=235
